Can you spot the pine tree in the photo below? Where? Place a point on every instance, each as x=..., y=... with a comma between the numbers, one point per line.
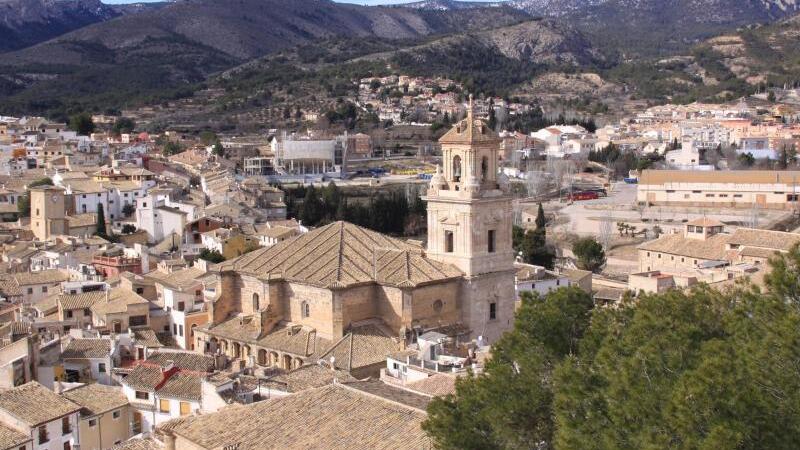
x=540, y=219
x=101, y=221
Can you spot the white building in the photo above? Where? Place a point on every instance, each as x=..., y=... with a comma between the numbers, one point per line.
x=47, y=420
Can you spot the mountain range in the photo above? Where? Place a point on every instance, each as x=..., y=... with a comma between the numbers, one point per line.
x=71, y=54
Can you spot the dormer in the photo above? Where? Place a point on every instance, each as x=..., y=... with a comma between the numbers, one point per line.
x=703, y=229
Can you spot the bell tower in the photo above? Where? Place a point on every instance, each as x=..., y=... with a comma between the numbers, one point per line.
x=469, y=225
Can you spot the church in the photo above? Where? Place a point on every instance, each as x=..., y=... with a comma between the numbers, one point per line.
x=351, y=296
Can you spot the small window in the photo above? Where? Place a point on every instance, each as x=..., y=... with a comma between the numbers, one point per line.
x=185, y=409
x=491, y=239
x=101, y=367
x=92, y=423
x=116, y=414
x=180, y=330
x=163, y=405
x=256, y=304
x=87, y=312
x=66, y=427
x=448, y=242
x=438, y=305
x=30, y=291
x=492, y=311
x=142, y=395
x=69, y=314
x=44, y=289
x=305, y=309
x=67, y=446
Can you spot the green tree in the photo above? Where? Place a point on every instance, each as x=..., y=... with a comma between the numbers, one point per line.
x=589, y=253
x=128, y=209
x=541, y=221
x=128, y=229
x=82, y=124
x=311, y=212
x=218, y=149
x=208, y=137
x=212, y=256
x=101, y=221
x=24, y=205
x=510, y=404
x=171, y=148
x=123, y=125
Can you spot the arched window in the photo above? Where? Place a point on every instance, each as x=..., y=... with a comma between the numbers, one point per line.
x=484, y=168
x=255, y=302
x=305, y=309
x=457, y=168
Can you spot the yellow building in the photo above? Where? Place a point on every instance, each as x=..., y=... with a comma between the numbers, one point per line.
x=105, y=415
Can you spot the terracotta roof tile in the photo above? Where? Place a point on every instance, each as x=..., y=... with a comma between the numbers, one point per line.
x=87, y=348
x=11, y=438
x=96, y=398
x=340, y=255
x=34, y=404
x=331, y=417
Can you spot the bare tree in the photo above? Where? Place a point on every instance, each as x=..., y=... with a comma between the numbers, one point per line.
x=606, y=230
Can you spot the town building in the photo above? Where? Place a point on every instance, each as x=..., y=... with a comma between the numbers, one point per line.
x=730, y=189
x=105, y=415
x=37, y=412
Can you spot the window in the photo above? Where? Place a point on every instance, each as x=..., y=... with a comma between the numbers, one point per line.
x=448, y=241
x=484, y=168
x=175, y=328
x=163, y=405
x=144, y=204
x=491, y=239
x=492, y=311
x=185, y=409
x=87, y=312
x=709, y=195
x=180, y=330
x=67, y=446
x=92, y=423
x=792, y=197
x=69, y=314
x=140, y=395
x=256, y=305
x=140, y=291
x=670, y=191
x=737, y=195
x=30, y=291
x=101, y=367
x=116, y=414
x=723, y=195
x=456, y=169
x=66, y=427
x=181, y=306
x=137, y=321
x=44, y=289
x=438, y=305
x=305, y=309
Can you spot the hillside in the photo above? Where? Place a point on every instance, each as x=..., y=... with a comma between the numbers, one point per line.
x=159, y=51
x=650, y=27
x=27, y=22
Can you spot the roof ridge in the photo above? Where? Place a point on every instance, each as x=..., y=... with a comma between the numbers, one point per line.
x=341, y=251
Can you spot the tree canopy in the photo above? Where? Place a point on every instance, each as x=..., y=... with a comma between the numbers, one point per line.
x=703, y=369
x=82, y=124
x=589, y=253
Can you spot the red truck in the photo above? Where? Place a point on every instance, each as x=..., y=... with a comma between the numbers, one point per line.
x=576, y=196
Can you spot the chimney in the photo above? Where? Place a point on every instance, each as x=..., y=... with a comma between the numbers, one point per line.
x=170, y=365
